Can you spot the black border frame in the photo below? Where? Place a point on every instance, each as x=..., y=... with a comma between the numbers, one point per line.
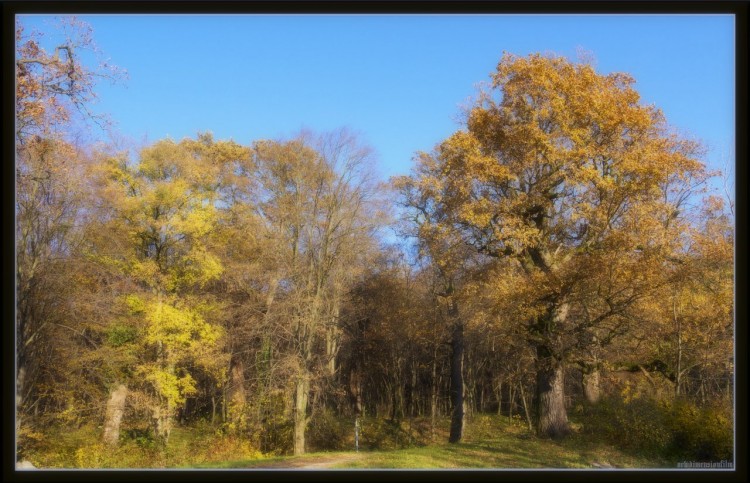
x=9, y=9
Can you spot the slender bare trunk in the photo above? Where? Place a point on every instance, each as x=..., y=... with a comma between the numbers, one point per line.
x=499, y=392
x=413, y=391
x=678, y=326
x=525, y=407
x=457, y=383
x=434, y=396
x=332, y=338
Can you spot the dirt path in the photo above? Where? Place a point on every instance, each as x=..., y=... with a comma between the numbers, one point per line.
x=317, y=463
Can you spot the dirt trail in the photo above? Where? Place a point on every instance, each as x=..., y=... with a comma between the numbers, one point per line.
x=317, y=463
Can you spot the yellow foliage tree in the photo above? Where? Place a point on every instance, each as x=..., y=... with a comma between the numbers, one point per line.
x=164, y=212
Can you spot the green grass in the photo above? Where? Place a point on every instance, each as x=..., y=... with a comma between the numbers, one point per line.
x=490, y=442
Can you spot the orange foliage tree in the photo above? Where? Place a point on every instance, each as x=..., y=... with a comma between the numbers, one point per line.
x=565, y=172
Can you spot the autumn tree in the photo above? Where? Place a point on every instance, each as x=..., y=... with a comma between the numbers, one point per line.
x=558, y=165
x=690, y=318
x=315, y=206
x=51, y=89
x=47, y=206
x=441, y=245
x=163, y=219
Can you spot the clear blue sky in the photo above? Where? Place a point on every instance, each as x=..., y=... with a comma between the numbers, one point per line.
x=397, y=79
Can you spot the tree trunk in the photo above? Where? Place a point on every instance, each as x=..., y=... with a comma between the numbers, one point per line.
x=163, y=409
x=678, y=325
x=394, y=401
x=20, y=379
x=115, y=410
x=552, y=417
x=401, y=411
x=499, y=394
x=413, y=391
x=302, y=392
x=433, y=396
x=469, y=388
x=591, y=390
x=457, y=380
x=332, y=339
x=355, y=389
x=525, y=407
x=237, y=398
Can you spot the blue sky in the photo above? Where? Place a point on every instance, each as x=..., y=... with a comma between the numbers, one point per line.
x=397, y=79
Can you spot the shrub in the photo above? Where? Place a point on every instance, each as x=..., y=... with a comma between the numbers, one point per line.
x=702, y=434
x=330, y=433
x=638, y=425
x=64, y=447
x=676, y=430
x=384, y=434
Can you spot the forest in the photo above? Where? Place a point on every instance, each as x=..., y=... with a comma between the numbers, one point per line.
x=562, y=269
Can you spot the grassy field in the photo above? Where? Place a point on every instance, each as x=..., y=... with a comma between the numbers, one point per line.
x=490, y=442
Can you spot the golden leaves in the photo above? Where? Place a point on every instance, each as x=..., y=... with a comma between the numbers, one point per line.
x=565, y=145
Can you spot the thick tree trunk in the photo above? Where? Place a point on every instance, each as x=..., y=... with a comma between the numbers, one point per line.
x=115, y=410
x=162, y=420
x=552, y=417
x=457, y=380
x=591, y=389
x=302, y=392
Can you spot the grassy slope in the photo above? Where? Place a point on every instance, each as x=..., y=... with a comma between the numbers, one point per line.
x=489, y=443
